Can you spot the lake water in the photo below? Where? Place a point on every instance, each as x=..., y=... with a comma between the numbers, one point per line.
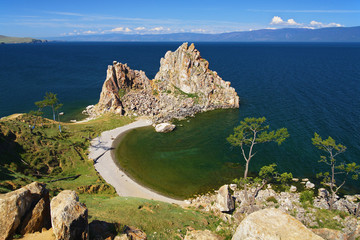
x=306, y=88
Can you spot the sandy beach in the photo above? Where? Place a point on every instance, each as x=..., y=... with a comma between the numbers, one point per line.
x=102, y=152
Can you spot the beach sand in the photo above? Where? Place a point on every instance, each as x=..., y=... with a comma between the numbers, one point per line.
x=102, y=151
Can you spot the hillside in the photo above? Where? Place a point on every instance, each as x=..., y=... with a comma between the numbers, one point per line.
x=60, y=161
x=335, y=34
x=6, y=39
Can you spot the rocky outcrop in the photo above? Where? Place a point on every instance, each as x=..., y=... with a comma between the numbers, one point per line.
x=164, y=127
x=272, y=224
x=25, y=210
x=183, y=87
x=224, y=200
x=69, y=217
x=134, y=233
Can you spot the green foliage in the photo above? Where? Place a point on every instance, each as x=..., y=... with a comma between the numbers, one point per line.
x=122, y=93
x=155, y=92
x=50, y=100
x=253, y=131
x=327, y=145
x=159, y=220
x=344, y=170
x=285, y=178
x=188, y=95
x=249, y=133
x=327, y=219
x=44, y=154
x=306, y=197
x=271, y=199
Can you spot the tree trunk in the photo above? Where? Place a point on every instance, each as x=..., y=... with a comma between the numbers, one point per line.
x=332, y=199
x=53, y=112
x=245, y=183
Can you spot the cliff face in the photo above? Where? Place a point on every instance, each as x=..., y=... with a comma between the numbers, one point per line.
x=183, y=86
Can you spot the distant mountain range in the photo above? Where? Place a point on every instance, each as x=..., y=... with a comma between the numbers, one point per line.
x=6, y=39
x=336, y=34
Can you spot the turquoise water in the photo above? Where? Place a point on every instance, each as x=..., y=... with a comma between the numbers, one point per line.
x=306, y=88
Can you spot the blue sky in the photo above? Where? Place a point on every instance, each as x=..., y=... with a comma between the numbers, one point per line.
x=50, y=18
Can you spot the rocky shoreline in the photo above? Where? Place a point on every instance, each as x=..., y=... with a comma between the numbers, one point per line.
x=229, y=204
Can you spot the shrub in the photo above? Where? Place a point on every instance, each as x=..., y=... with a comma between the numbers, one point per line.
x=271, y=199
x=307, y=196
x=122, y=92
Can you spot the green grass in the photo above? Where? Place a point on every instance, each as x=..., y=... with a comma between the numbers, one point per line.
x=325, y=218
x=44, y=154
x=159, y=220
x=50, y=155
x=307, y=198
x=188, y=95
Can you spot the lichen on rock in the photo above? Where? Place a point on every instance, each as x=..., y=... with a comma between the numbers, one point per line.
x=183, y=86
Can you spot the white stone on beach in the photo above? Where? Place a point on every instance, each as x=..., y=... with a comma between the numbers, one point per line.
x=164, y=127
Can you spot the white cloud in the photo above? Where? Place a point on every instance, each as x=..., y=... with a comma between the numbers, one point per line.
x=140, y=28
x=276, y=20
x=322, y=25
x=199, y=30
x=89, y=32
x=315, y=23
x=157, y=29
x=120, y=29
x=334, y=25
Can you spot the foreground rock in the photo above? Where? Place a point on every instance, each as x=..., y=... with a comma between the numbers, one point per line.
x=272, y=224
x=69, y=217
x=164, y=127
x=183, y=87
x=224, y=200
x=134, y=233
x=25, y=210
x=330, y=234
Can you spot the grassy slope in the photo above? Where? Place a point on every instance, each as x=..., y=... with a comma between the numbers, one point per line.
x=49, y=155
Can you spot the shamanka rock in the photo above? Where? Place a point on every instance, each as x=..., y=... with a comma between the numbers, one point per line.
x=69, y=217
x=272, y=224
x=183, y=87
x=25, y=210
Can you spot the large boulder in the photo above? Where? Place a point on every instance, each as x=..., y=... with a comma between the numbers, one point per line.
x=164, y=127
x=134, y=233
x=38, y=218
x=69, y=217
x=224, y=200
x=272, y=224
x=24, y=210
